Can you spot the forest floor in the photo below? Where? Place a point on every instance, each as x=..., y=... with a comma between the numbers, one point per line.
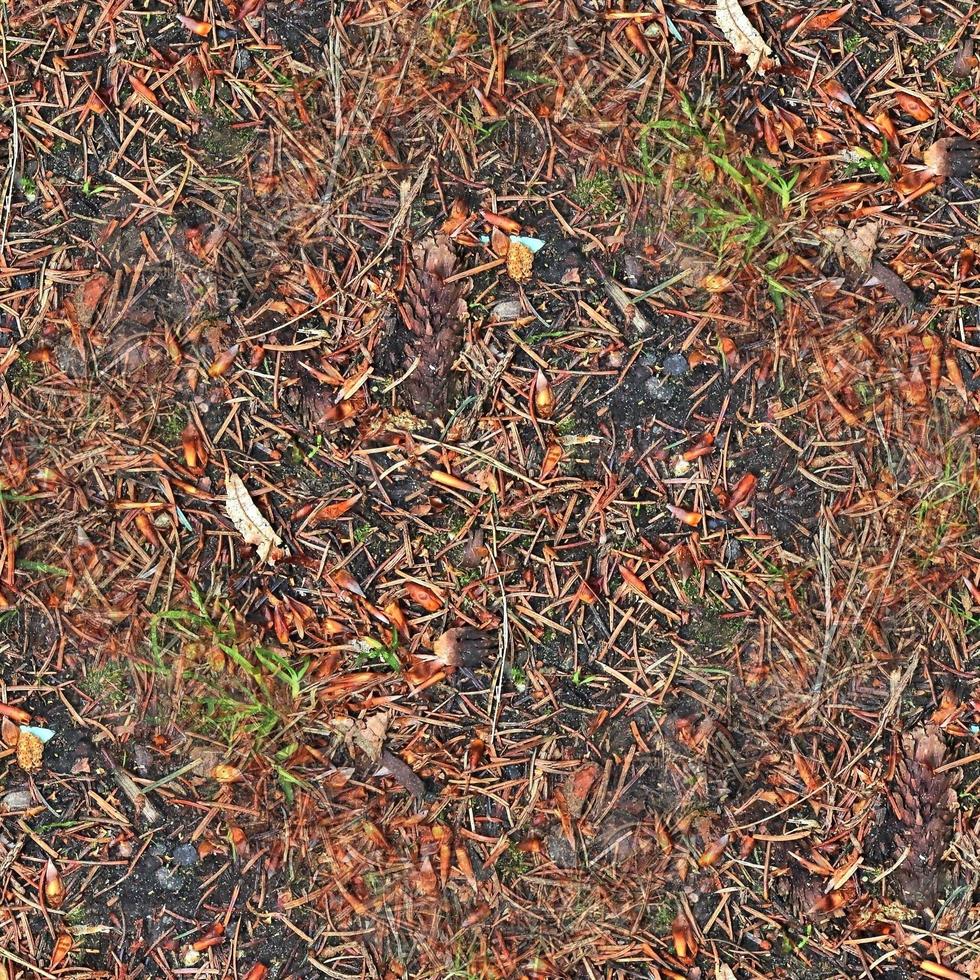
x=489, y=489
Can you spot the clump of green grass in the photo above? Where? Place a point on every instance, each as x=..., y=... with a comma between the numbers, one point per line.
x=727, y=201
x=235, y=688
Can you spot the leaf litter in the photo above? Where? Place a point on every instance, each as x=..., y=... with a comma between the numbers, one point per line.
x=489, y=491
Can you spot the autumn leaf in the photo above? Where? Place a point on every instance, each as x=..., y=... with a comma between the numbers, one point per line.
x=249, y=521
x=742, y=35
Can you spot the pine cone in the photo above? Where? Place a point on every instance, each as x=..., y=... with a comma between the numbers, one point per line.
x=434, y=312
x=924, y=802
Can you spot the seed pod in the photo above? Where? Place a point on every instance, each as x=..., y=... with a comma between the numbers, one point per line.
x=691, y=518
x=15, y=713
x=223, y=362
x=226, y=774
x=53, y=887
x=475, y=753
x=543, y=396
x=938, y=970
x=199, y=27
x=62, y=947
x=501, y=221
x=713, y=851
x=685, y=944
x=347, y=582
x=552, y=457
x=743, y=490
x=195, y=455
x=453, y=482
x=634, y=581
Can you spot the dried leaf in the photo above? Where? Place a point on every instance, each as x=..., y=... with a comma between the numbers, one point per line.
x=368, y=734
x=249, y=521
x=742, y=35
x=857, y=243
x=952, y=157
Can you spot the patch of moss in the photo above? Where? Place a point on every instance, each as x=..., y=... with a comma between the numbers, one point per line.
x=106, y=684
x=598, y=193
x=22, y=375
x=169, y=426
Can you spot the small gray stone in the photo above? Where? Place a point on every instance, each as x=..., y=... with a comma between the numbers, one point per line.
x=506, y=309
x=659, y=389
x=16, y=799
x=185, y=855
x=142, y=759
x=733, y=550
x=676, y=365
x=168, y=879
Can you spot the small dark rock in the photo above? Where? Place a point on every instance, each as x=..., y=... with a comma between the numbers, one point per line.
x=733, y=550
x=168, y=879
x=676, y=365
x=185, y=856
x=142, y=760
x=560, y=851
x=659, y=389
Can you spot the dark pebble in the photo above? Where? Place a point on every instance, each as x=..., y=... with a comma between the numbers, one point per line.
x=676, y=365
x=168, y=879
x=658, y=389
x=185, y=855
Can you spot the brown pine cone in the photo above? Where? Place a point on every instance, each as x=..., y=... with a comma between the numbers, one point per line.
x=434, y=312
x=924, y=802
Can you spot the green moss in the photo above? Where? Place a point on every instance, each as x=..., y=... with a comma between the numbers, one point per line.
x=513, y=865
x=598, y=194
x=106, y=684
x=663, y=916
x=363, y=531
x=169, y=426
x=23, y=374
